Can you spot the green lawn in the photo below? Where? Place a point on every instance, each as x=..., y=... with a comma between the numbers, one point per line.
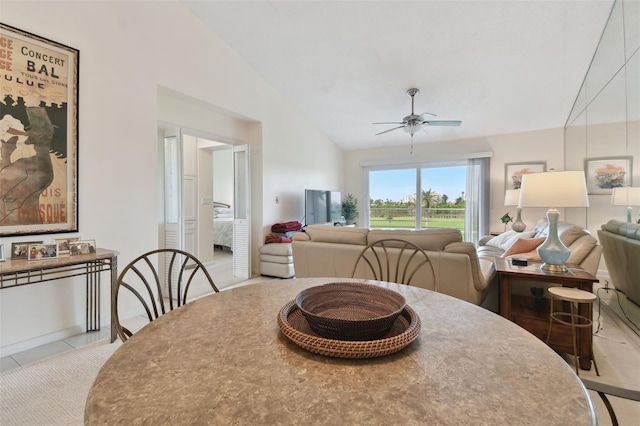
x=409, y=222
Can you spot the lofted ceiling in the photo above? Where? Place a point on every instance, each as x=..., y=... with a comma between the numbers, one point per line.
x=503, y=66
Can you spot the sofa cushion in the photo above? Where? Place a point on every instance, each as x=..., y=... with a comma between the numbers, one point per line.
x=276, y=249
x=581, y=248
x=568, y=232
x=337, y=234
x=523, y=245
x=427, y=239
x=631, y=230
x=504, y=240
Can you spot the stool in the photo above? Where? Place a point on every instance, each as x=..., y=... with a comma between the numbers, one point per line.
x=276, y=260
x=574, y=296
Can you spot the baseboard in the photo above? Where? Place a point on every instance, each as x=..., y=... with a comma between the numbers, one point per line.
x=41, y=340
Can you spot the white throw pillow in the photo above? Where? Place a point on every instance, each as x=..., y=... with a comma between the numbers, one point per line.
x=504, y=240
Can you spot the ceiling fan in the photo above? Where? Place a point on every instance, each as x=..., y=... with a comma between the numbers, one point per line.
x=412, y=123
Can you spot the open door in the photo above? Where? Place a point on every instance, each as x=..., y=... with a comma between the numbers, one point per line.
x=242, y=213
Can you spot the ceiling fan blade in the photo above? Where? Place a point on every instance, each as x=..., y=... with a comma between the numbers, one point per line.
x=443, y=123
x=387, y=131
x=390, y=122
x=423, y=117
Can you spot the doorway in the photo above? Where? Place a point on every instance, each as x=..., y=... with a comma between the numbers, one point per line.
x=205, y=201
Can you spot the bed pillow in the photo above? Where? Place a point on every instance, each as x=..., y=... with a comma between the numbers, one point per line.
x=222, y=212
x=504, y=240
x=524, y=247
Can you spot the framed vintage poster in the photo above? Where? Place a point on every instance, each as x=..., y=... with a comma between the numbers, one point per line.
x=513, y=172
x=605, y=173
x=39, y=134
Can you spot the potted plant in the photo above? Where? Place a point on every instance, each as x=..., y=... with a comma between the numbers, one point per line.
x=350, y=209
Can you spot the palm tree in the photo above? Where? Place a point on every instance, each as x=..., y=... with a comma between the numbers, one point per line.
x=429, y=197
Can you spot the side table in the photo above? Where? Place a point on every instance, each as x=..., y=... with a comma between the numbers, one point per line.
x=523, y=311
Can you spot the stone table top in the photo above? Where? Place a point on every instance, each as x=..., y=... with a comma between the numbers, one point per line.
x=222, y=359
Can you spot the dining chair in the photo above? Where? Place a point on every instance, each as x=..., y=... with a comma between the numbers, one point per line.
x=604, y=389
x=393, y=260
x=160, y=280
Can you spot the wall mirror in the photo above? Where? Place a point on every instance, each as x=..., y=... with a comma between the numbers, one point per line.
x=605, y=123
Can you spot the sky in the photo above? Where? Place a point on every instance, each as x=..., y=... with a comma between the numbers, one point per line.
x=396, y=184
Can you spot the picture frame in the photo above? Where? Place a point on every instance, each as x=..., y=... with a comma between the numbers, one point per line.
x=21, y=250
x=3, y=255
x=513, y=172
x=605, y=173
x=42, y=251
x=82, y=247
x=63, y=244
x=41, y=123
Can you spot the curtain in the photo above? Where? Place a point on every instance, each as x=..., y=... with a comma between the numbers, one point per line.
x=477, y=199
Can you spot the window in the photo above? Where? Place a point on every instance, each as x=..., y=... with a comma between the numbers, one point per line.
x=452, y=195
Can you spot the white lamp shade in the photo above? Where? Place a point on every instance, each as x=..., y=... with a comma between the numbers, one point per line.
x=554, y=189
x=625, y=196
x=511, y=197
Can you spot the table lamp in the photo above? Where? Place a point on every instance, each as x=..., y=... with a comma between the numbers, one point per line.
x=511, y=198
x=626, y=196
x=554, y=189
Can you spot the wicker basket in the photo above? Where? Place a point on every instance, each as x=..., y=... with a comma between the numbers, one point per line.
x=295, y=327
x=350, y=311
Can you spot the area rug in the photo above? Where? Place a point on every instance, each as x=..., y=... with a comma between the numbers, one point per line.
x=52, y=391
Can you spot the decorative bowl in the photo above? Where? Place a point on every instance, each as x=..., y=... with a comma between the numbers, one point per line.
x=350, y=311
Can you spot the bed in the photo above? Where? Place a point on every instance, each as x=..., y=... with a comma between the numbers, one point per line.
x=222, y=226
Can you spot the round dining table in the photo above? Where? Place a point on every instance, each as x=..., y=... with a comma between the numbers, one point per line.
x=223, y=359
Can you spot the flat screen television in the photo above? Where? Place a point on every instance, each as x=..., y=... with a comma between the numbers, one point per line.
x=322, y=207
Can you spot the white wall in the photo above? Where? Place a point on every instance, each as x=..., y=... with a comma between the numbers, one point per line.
x=127, y=51
x=543, y=145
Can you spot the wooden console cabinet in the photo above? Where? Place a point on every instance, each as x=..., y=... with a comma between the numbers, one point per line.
x=523, y=310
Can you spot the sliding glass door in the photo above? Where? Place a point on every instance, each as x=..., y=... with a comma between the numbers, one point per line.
x=427, y=196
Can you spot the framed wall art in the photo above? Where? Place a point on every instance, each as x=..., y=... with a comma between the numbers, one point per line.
x=39, y=132
x=3, y=255
x=605, y=173
x=513, y=172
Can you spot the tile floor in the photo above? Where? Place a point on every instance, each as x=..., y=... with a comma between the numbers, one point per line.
x=616, y=348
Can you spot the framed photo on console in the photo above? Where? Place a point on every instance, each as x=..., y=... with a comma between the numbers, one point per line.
x=43, y=251
x=513, y=172
x=39, y=131
x=82, y=247
x=21, y=250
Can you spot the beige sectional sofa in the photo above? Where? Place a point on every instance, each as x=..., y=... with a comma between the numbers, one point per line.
x=585, y=250
x=621, y=249
x=332, y=251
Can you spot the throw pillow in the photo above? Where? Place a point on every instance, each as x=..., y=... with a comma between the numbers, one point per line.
x=504, y=240
x=523, y=245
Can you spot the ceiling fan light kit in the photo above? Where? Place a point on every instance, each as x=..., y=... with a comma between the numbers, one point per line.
x=412, y=123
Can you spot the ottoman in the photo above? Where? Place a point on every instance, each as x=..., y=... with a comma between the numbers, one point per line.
x=276, y=260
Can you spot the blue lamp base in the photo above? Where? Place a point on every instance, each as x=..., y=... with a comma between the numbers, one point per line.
x=553, y=252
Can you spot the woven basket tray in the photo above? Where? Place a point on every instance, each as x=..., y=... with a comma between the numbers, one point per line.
x=295, y=327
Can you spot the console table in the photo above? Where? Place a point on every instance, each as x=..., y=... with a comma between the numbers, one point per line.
x=19, y=272
x=523, y=311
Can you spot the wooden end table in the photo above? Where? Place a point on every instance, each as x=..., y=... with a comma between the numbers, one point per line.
x=524, y=311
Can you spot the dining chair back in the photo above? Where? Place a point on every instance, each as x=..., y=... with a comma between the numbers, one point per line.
x=393, y=260
x=160, y=280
